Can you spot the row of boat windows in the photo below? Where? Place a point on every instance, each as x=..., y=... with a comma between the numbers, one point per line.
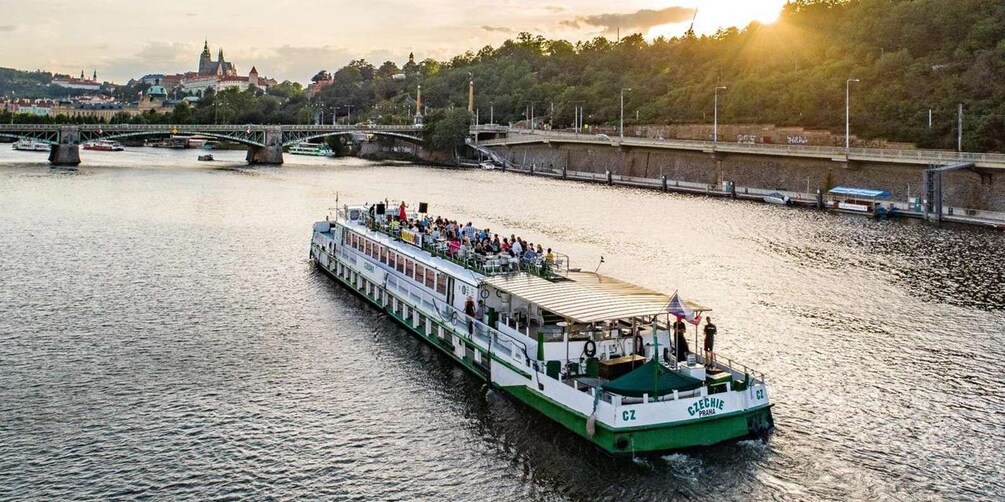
x=400, y=262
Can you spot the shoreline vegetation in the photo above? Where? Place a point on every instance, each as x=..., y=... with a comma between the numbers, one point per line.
x=910, y=57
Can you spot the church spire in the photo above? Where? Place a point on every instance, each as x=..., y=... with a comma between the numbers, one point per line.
x=219, y=56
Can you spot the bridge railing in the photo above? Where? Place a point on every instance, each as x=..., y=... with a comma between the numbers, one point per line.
x=206, y=127
x=916, y=156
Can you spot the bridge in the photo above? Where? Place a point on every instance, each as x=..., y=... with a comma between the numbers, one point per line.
x=265, y=142
x=516, y=137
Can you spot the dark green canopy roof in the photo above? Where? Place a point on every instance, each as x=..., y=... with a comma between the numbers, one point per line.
x=644, y=380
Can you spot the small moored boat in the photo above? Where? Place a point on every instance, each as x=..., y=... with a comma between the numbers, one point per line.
x=777, y=198
x=206, y=158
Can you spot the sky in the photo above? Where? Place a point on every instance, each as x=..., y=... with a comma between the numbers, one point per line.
x=293, y=39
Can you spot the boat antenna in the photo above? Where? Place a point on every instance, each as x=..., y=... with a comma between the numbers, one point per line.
x=599, y=264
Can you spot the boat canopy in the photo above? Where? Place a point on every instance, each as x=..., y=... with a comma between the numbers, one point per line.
x=859, y=192
x=644, y=380
x=586, y=297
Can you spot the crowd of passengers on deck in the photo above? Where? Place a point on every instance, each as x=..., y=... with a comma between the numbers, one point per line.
x=467, y=243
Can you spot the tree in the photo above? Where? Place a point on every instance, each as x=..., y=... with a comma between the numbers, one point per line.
x=448, y=129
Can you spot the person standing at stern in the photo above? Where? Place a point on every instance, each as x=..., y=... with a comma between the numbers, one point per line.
x=709, y=343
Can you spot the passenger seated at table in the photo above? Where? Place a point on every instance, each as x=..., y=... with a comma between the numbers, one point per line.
x=529, y=256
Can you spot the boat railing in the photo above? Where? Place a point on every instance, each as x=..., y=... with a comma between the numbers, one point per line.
x=540, y=267
x=735, y=368
x=460, y=323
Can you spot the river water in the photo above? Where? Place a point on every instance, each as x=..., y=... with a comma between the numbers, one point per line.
x=163, y=335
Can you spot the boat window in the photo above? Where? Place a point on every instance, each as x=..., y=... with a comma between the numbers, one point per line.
x=430, y=278
x=391, y=255
x=420, y=272
x=409, y=267
x=383, y=254
x=441, y=284
x=373, y=250
x=366, y=246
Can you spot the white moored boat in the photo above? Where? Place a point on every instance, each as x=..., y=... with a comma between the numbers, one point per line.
x=317, y=150
x=591, y=352
x=104, y=146
x=27, y=145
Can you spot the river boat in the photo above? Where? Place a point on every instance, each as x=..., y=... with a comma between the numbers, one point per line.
x=777, y=198
x=27, y=145
x=590, y=352
x=206, y=158
x=314, y=149
x=860, y=201
x=104, y=146
x=488, y=166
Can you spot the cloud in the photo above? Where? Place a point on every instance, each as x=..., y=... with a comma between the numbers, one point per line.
x=497, y=29
x=641, y=20
x=7, y=28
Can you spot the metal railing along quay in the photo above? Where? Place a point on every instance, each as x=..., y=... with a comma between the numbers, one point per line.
x=923, y=157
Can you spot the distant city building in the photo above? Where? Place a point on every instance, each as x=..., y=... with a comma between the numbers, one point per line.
x=318, y=82
x=81, y=83
x=217, y=75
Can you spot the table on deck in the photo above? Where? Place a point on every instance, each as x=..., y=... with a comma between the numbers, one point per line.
x=613, y=368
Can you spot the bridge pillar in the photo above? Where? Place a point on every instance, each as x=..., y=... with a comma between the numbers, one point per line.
x=270, y=154
x=67, y=151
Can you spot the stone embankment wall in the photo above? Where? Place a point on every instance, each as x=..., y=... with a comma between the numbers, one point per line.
x=964, y=189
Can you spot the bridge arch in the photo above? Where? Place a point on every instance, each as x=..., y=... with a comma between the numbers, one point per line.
x=113, y=135
x=294, y=138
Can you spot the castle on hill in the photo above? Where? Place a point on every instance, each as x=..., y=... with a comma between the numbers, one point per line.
x=217, y=75
x=220, y=67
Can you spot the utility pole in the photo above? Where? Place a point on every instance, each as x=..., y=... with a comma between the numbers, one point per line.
x=492, y=114
x=622, y=121
x=959, y=130
x=929, y=118
x=847, y=112
x=715, y=114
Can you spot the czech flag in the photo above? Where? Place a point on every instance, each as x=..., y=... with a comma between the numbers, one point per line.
x=678, y=309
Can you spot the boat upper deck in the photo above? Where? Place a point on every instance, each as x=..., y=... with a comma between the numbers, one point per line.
x=478, y=250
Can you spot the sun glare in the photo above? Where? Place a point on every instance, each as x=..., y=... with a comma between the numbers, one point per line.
x=714, y=15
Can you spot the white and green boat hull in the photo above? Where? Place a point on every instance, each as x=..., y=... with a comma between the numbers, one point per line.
x=616, y=426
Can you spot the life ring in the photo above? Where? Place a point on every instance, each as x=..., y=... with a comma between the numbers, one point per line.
x=590, y=349
x=484, y=294
x=640, y=345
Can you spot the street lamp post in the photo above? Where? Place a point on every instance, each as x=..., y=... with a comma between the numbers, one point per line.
x=623, y=110
x=715, y=114
x=847, y=112
x=492, y=113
